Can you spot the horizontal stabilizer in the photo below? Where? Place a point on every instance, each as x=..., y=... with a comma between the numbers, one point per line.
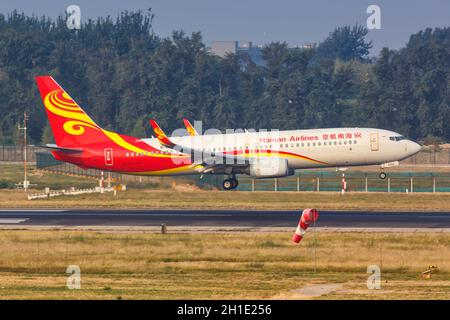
x=54, y=147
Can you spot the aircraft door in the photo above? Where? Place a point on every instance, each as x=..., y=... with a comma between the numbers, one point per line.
x=374, y=142
x=108, y=156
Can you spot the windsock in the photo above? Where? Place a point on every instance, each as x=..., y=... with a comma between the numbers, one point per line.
x=308, y=216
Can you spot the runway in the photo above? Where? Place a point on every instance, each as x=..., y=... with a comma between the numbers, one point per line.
x=220, y=218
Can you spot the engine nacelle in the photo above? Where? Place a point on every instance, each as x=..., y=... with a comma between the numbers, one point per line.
x=269, y=168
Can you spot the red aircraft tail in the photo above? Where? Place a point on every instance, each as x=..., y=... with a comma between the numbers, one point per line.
x=71, y=126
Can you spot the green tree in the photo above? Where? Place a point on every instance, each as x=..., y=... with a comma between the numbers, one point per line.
x=345, y=43
x=47, y=135
x=139, y=130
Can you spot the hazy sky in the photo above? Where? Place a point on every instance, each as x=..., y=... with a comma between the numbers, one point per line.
x=262, y=21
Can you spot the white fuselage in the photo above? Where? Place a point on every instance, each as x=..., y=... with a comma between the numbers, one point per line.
x=311, y=148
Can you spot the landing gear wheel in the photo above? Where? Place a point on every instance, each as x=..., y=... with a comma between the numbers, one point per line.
x=227, y=184
x=382, y=175
x=235, y=183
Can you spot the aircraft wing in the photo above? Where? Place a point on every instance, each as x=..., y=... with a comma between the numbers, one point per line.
x=210, y=160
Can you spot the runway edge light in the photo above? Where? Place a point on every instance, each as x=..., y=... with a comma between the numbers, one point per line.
x=308, y=216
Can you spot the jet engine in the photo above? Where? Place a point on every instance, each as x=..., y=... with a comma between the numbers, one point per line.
x=269, y=168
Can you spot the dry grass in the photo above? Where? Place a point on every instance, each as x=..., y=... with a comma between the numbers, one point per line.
x=180, y=196
x=226, y=265
x=12, y=174
x=138, y=198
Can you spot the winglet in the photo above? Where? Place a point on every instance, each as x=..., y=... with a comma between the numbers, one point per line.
x=190, y=129
x=160, y=135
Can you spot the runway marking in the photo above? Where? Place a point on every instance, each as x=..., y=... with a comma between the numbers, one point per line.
x=436, y=217
x=121, y=215
x=11, y=220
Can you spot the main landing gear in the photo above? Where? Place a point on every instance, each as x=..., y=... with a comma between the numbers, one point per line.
x=230, y=183
x=382, y=175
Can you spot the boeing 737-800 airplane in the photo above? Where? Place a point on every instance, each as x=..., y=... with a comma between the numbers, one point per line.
x=79, y=140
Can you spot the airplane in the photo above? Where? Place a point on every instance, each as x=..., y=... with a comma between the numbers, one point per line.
x=264, y=154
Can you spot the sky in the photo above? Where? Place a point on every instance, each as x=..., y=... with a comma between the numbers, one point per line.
x=261, y=21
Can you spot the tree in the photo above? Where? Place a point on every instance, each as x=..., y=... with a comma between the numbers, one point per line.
x=345, y=43
x=121, y=72
x=47, y=135
x=139, y=130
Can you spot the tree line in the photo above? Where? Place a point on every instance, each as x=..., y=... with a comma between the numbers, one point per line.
x=122, y=73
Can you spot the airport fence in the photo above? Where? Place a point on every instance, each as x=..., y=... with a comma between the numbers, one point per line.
x=323, y=181
x=16, y=153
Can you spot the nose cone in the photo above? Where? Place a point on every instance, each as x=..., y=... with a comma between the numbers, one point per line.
x=413, y=147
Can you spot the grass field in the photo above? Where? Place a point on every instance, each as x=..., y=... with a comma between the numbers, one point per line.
x=199, y=199
x=165, y=194
x=10, y=174
x=235, y=265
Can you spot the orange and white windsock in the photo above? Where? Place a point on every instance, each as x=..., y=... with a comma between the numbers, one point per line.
x=308, y=216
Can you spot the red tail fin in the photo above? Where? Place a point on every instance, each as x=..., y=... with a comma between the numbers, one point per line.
x=71, y=126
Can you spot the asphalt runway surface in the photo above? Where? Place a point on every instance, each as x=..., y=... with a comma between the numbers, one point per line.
x=220, y=218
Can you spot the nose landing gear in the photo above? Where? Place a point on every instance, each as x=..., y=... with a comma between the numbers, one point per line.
x=382, y=175
x=229, y=184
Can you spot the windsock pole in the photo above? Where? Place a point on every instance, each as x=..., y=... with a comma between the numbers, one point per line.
x=101, y=182
x=344, y=184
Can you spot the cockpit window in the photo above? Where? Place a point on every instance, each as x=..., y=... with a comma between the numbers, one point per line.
x=397, y=138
